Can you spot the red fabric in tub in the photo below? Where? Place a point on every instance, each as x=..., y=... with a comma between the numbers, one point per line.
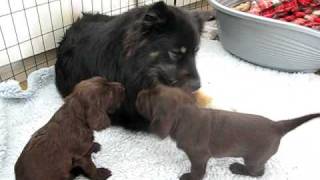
x=302, y=12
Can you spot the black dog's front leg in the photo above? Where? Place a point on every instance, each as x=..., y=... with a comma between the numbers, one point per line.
x=198, y=166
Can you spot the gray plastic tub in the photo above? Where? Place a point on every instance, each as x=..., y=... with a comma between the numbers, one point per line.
x=267, y=42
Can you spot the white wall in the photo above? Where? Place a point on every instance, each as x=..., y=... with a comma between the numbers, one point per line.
x=29, y=27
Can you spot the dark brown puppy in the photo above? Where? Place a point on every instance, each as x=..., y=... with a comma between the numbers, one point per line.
x=203, y=133
x=66, y=141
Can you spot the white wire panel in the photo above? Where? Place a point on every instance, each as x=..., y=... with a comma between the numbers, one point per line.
x=29, y=28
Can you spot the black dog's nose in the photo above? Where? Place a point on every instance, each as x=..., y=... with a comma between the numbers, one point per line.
x=195, y=85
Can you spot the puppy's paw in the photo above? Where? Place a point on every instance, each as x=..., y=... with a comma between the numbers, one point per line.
x=186, y=176
x=96, y=147
x=237, y=168
x=103, y=173
x=189, y=176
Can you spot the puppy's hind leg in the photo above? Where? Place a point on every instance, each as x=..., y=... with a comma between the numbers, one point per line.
x=255, y=169
x=252, y=168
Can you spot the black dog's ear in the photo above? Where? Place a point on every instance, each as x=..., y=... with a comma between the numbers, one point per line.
x=156, y=15
x=202, y=16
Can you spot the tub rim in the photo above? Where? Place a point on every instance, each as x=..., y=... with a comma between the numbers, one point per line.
x=264, y=20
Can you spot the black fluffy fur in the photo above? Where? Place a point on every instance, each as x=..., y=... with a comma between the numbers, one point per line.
x=137, y=48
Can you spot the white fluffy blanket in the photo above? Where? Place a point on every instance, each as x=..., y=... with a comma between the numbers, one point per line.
x=233, y=84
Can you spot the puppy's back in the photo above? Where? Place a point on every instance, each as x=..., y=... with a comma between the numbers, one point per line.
x=43, y=152
x=234, y=131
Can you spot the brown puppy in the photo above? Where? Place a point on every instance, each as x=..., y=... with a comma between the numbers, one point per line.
x=66, y=141
x=203, y=133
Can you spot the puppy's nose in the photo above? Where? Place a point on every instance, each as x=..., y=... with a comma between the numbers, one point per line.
x=121, y=88
x=123, y=93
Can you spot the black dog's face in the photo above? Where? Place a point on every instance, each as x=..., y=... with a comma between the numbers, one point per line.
x=170, y=41
x=177, y=66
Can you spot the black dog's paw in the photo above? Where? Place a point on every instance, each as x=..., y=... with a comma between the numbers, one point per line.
x=237, y=168
x=96, y=147
x=103, y=173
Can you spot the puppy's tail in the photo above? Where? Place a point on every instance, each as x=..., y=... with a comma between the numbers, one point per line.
x=286, y=126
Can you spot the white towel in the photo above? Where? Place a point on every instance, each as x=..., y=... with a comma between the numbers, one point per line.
x=233, y=84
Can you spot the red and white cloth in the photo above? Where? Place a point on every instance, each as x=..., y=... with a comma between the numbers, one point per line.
x=302, y=12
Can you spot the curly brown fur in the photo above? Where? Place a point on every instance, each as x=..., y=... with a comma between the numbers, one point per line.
x=204, y=133
x=66, y=141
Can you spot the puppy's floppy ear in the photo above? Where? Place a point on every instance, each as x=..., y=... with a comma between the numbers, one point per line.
x=163, y=120
x=143, y=104
x=202, y=16
x=156, y=15
x=116, y=96
x=96, y=115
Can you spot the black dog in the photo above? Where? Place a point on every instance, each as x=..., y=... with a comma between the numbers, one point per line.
x=140, y=48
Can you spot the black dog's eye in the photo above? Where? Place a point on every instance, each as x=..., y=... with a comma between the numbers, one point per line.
x=175, y=55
